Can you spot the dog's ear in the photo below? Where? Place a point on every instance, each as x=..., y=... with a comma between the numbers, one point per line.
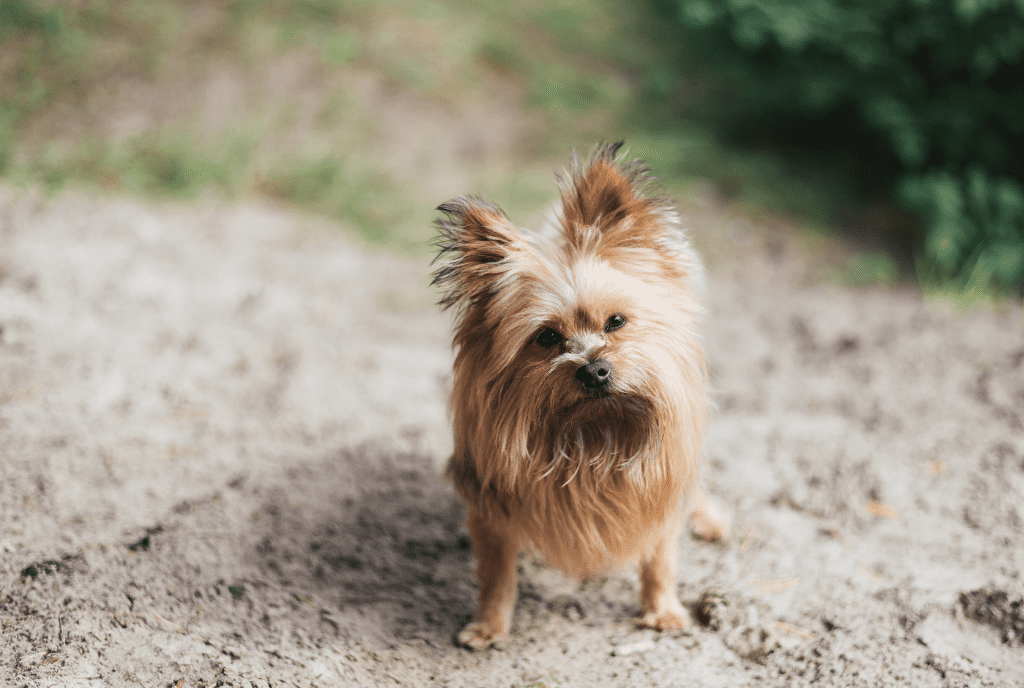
x=478, y=247
x=599, y=195
x=614, y=209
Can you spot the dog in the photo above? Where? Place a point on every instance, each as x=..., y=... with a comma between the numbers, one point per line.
x=580, y=395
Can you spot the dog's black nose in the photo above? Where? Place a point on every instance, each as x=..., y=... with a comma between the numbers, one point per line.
x=595, y=375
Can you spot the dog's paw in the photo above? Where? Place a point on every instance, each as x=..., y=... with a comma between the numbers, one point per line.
x=672, y=618
x=709, y=523
x=480, y=636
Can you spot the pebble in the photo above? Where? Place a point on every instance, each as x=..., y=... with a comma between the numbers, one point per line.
x=633, y=648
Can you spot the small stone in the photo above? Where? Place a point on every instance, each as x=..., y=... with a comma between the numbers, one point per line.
x=633, y=648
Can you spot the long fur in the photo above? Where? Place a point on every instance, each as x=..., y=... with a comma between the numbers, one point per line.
x=586, y=481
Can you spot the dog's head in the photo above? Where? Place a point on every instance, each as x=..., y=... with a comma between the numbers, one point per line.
x=583, y=344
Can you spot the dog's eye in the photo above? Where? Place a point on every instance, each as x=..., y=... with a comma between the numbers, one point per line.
x=614, y=323
x=548, y=338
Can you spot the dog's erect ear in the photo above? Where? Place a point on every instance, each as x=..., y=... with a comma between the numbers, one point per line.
x=478, y=246
x=614, y=210
x=608, y=204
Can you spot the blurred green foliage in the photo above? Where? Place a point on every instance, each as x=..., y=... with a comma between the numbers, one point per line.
x=54, y=57
x=68, y=73
x=124, y=95
x=926, y=95
x=26, y=88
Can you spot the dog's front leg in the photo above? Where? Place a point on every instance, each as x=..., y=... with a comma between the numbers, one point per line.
x=496, y=548
x=659, y=605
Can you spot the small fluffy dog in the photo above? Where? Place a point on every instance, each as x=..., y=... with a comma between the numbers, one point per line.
x=580, y=391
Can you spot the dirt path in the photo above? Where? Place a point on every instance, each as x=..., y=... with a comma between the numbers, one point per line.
x=220, y=437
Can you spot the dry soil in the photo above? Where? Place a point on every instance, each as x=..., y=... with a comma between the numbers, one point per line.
x=222, y=429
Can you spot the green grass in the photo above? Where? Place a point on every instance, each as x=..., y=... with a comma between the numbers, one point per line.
x=318, y=137
x=167, y=162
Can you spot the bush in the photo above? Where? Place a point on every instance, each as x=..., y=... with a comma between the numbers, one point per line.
x=929, y=91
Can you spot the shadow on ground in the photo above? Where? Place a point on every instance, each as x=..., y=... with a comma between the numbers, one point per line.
x=381, y=537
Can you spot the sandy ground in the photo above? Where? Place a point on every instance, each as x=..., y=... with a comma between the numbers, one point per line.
x=221, y=433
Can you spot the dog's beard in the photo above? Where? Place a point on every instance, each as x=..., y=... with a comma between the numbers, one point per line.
x=602, y=434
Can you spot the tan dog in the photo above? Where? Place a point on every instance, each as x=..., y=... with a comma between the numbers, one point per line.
x=580, y=392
